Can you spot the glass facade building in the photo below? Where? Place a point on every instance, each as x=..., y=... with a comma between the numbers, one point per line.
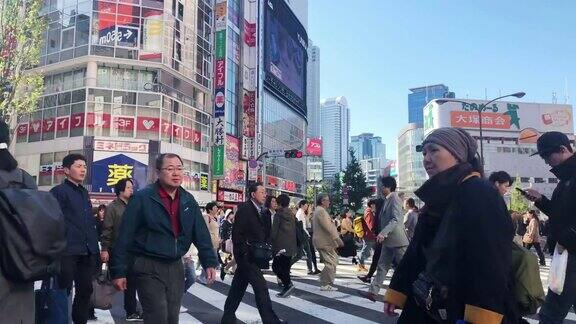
x=410, y=166
x=419, y=97
x=130, y=71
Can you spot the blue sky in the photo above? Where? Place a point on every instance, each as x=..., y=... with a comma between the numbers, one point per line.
x=373, y=51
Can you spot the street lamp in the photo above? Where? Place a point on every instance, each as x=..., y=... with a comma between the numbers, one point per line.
x=480, y=109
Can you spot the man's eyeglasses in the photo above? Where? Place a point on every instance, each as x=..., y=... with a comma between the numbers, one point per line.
x=173, y=170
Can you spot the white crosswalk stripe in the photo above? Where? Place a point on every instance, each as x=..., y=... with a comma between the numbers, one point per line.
x=205, y=304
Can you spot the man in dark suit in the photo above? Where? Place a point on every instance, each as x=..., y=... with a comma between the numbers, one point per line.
x=250, y=227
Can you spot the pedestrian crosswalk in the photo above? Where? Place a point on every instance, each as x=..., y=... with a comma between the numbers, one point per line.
x=308, y=304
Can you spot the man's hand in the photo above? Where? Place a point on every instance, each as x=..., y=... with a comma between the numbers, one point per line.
x=104, y=256
x=210, y=275
x=120, y=283
x=389, y=310
x=380, y=238
x=533, y=195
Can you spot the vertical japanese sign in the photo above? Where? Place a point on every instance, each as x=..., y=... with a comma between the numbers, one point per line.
x=220, y=17
x=249, y=75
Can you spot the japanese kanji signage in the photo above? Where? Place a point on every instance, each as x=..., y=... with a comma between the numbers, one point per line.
x=468, y=119
x=249, y=93
x=117, y=146
x=107, y=172
x=220, y=17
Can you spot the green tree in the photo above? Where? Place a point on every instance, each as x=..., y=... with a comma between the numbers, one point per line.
x=313, y=190
x=21, y=30
x=355, y=180
x=517, y=202
x=336, y=196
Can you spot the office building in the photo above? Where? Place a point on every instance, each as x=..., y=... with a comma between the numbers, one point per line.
x=411, y=172
x=123, y=83
x=334, y=128
x=368, y=146
x=419, y=97
x=313, y=91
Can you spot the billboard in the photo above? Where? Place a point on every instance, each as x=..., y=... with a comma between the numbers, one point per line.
x=249, y=93
x=233, y=167
x=285, y=54
x=499, y=117
x=107, y=172
x=220, y=17
x=314, y=147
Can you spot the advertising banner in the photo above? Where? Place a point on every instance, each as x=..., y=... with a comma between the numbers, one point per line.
x=62, y=123
x=500, y=117
x=220, y=18
x=152, y=29
x=22, y=130
x=48, y=125
x=77, y=121
x=35, y=127
x=118, y=146
x=107, y=172
x=150, y=124
x=94, y=120
x=249, y=71
x=123, y=123
x=230, y=196
x=314, y=147
x=233, y=172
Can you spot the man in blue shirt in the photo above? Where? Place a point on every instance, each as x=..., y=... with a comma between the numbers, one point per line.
x=80, y=259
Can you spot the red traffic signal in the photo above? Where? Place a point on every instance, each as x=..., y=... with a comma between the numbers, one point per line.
x=293, y=154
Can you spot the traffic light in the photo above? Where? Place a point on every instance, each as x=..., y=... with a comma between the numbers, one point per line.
x=293, y=154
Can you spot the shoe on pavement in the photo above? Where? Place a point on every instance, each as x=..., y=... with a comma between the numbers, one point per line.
x=364, y=279
x=328, y=288
x=286, y=292
x=368, y=295
x=317, y=272
x=310, y=273
x=134, y=318
x=222, y=274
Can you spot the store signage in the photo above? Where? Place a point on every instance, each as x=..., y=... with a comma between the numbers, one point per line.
x=314, y=147
x=230, y=196
x=220, y=18
x=107, y=172
x=117, y=146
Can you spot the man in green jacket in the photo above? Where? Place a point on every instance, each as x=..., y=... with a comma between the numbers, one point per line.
x=112, y=220
x=158, y=226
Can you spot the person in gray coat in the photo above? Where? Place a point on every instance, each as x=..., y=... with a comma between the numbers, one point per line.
x=284, y=243
x=392, y=235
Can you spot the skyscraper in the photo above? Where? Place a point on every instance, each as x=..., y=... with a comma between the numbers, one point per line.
x=368, y=146
x=334, y=128
x=411, y=172
x=313, y=91
x=421, y=96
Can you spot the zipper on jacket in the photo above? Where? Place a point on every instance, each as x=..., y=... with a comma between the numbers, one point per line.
x=174, y=234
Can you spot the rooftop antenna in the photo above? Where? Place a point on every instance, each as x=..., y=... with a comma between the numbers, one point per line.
x=554, y=98
x=566, y=95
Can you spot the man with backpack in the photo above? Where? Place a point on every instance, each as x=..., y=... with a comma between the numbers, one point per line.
x=556, y=151
x=81, y=256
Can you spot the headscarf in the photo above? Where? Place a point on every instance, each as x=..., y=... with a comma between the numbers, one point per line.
x=456, y=140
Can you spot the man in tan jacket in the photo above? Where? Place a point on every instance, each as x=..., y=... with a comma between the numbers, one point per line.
x=326, y=240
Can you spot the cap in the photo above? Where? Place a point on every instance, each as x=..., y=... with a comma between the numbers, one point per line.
x=550, y=141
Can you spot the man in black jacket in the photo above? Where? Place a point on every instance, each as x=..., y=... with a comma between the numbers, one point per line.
x=555, y=149
x=81, y=256
x=158, y=226
x=250, y=227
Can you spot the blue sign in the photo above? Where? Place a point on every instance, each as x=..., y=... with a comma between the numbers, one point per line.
x=107, y=172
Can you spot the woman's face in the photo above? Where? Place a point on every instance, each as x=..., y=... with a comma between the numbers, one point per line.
x=437, y=159
x=273, y=204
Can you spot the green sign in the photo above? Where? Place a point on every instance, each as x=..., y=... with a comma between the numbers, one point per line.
x=221, y=44
x=218, y=161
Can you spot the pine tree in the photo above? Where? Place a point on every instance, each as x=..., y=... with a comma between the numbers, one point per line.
x=355, y=180
x=21, y=30
x=517, y=202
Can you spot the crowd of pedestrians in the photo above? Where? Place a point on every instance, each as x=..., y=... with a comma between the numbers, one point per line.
x=452, y=258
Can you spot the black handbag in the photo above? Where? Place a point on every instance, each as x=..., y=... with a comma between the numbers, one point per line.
x=431, y=296
x=260, y=253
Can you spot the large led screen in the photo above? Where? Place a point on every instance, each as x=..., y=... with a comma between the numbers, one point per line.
x=285, y=54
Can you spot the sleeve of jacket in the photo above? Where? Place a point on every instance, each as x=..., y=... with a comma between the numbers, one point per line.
x=567, y=238
x=278, y=218
x=369, y=219
x=202, y=241
x=107, y=227
x=238, y=233
x=545, y=205
x=130, y=223
x=328, y=226
x=487, y=254
x=396, y=209
x=57, y=193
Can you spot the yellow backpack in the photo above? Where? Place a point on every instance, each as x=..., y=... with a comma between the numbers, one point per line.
x=359, y=227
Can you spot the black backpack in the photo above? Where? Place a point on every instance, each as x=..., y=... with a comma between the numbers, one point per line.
x=32, y=232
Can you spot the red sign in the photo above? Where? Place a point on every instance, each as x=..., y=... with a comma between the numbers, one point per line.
x=272, y=181
x=77, y=121
x=249, y=33
x=22, y=130
x=220, y=71
x=197, y=137
x=48, y=125
x=98, y=120
x=470, y=119
x=230, y=196
x=166, y=127
x=35, y=127
x=123, y=123
x=249, y=114
x=148, y=124
x=62, y=123
x=314, y=147
x=290, y=186
x=187, y=134
x=177, y=131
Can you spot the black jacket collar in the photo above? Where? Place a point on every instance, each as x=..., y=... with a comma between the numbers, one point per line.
x=439, y=190
x=565, y=170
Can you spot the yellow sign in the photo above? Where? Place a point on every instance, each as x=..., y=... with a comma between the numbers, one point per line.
x=118, y=172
